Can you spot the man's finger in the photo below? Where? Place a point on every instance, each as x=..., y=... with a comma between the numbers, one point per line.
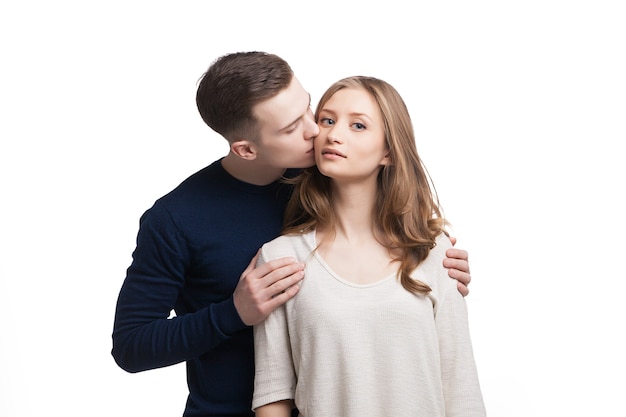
x=457, y=254
x=268, y=267
x=274, y=275
x=462, y=289
x=281, y=285
x=283, y=296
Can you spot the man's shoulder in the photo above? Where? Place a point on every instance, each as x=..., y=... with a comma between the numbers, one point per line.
x=187, y=195
x=203, y=178
x=197, y=183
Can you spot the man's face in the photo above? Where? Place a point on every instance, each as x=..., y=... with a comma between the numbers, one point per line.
x=287, y=128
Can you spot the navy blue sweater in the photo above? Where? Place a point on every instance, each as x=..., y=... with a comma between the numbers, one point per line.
x=192, y=247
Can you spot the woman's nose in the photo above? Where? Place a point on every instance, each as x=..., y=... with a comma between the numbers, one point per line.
x=333, y=135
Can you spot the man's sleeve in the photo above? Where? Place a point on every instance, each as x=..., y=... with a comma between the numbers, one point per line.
x=143, y=335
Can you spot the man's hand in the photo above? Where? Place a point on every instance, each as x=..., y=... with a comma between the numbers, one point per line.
x=458, y=267
x=261, y=290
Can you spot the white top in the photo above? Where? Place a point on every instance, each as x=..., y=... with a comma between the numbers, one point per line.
x=341, y=349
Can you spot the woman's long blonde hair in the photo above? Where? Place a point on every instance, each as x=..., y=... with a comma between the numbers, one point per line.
x=407, y=209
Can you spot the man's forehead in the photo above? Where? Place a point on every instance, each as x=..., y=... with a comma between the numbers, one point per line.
x=285, y=108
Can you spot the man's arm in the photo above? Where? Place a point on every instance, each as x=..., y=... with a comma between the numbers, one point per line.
x=457, y=262
x=144, y=337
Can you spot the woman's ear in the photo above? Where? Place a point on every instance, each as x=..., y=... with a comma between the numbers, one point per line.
x=243, y=149
x=386, y=159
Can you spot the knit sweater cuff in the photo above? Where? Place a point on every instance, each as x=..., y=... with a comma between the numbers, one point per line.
x=226, y=318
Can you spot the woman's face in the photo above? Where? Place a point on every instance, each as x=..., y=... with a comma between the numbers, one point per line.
x=351, y=144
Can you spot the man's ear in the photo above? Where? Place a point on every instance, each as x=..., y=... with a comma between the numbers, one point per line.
x=244, y=149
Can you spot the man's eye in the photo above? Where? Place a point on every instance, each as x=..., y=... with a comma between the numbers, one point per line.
x=292, y=128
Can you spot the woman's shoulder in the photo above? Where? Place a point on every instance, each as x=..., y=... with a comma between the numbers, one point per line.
x=296, y=245
x=431, y=271
x=442, y=244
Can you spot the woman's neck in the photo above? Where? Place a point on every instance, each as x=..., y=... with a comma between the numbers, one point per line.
x=353, y=248
x=353, y=205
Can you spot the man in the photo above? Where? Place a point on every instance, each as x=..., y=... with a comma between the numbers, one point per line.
x=194, y=244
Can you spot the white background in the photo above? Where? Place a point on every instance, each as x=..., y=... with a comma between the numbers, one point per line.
x=519, y=109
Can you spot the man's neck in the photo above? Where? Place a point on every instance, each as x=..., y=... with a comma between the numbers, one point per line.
x=250, y=171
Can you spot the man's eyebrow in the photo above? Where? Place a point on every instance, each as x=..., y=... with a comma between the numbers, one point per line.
x=299, y=117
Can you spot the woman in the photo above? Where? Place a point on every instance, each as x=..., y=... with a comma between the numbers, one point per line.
x=378, y=328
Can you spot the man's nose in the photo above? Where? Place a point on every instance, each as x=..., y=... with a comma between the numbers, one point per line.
x=312, y=129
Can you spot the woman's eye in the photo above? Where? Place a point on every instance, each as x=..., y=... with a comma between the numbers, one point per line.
x=326, y=121
x=358, y=126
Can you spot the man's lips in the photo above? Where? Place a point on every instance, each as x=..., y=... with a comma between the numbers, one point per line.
x=331, y=151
